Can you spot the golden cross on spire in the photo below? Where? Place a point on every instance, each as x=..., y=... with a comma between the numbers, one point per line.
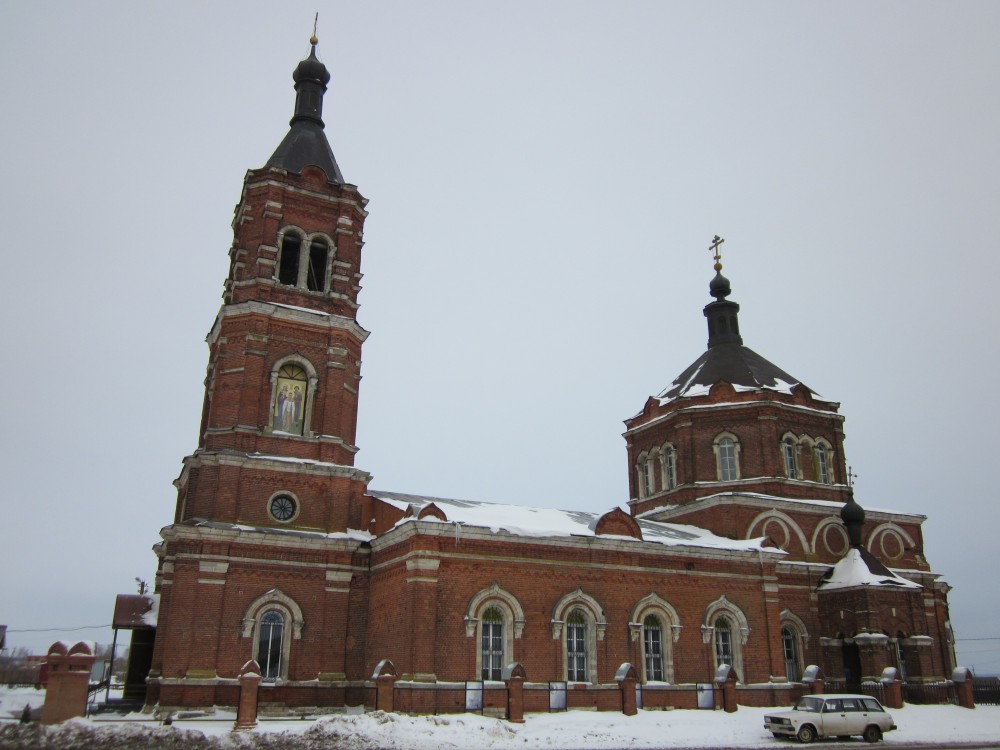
x=851, y=476
x=315, y=39
x=714, y=247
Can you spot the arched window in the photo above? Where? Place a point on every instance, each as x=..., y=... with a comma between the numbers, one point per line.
x=272, y=621
x=288, y=261
x=822, y=463
x=492, y=644
x=655, y=626
x=790, y=452
x=724, y=642
x=652, y=640
x=668, y=461
x=495, y=618
x=726, y=627
x=727, y=454
x=579, y=622
x=270, y=644
x=576, y=647
x=319, y=253
x=290, y=395
x=790, y=650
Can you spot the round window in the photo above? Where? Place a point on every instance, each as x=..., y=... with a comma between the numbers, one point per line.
x=283, y=507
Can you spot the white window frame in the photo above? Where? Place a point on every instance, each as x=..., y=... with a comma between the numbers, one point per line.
x=596, y=626
x=668, y=466
x=727, y=466
x=494, y=597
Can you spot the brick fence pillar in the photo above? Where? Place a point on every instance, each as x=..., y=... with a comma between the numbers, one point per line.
x=246, y=713
x=725, y=678
x=627, y=677
x=892, y=687
x=962, y=678
x=69, y=680
x=813, y=677
x=514, y=676
x=385, y=685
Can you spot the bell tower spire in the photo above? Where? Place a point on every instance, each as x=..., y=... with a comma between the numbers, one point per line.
x=306, y=143
x=723, y=316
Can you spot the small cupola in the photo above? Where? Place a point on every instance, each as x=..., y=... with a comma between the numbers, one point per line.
x=723, y=315
x=306, y=144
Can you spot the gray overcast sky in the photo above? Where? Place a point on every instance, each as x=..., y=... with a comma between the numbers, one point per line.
x=544, y=181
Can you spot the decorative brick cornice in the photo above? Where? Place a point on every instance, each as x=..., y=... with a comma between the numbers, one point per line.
x=277, y=311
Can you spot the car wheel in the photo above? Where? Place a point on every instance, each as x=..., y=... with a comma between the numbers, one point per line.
x=806, y=734
x=872, y=734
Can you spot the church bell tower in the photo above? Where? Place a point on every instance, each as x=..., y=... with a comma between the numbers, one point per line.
x=271, y=515
x=277, y=439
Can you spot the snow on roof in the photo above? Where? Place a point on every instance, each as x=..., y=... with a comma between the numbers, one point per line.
x=549, y=522
x=356, y=535
x=831, y=504
x=857, y=568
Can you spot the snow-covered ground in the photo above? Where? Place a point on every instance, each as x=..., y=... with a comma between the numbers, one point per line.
x=931, y=726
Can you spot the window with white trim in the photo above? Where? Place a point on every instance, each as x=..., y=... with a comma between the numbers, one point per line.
x=668, y=460
x=790, y=453
x=270, y=644
x=822, y=463
x=576, y=647
x=724, y=642
x=652, y=640
x=727, y=452
x=492, y=644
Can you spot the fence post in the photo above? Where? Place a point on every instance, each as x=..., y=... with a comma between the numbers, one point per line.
x=246, y=712
x=69, y=680
x=725, y=678
x=893, y=688
x=813, y=677
x=627, y=677
x=385, y=681
x=962, y=678
x=514, y=676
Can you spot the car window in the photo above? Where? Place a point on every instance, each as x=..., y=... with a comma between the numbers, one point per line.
x=832, y=707
x=851, y=704
x=812, y=705
x=871, y=704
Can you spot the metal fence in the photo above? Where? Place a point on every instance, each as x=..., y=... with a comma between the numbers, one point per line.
x=929, y=693
x=20, y=676
x=986, y=691
x=873, y=689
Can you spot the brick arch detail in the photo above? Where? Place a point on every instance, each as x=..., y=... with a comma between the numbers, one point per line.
x=818, y=531
x=275, y=599
x=491, y=596
x=882, y=528
x=789, y=522
x=578, y=598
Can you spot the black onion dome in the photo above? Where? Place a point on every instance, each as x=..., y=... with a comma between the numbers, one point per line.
x=311, y=69
x=719, y=287
x=853, y=516
x=306, y=144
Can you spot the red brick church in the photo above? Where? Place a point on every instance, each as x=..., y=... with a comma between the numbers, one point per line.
x=742, y=544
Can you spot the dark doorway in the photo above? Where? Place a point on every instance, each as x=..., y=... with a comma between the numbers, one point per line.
x=852, y=667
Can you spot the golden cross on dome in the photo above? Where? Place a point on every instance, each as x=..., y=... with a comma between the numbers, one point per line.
x=851, y=476
x=314, y=39
x=714, y=247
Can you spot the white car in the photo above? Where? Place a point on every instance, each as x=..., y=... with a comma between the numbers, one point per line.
x=831, y=716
